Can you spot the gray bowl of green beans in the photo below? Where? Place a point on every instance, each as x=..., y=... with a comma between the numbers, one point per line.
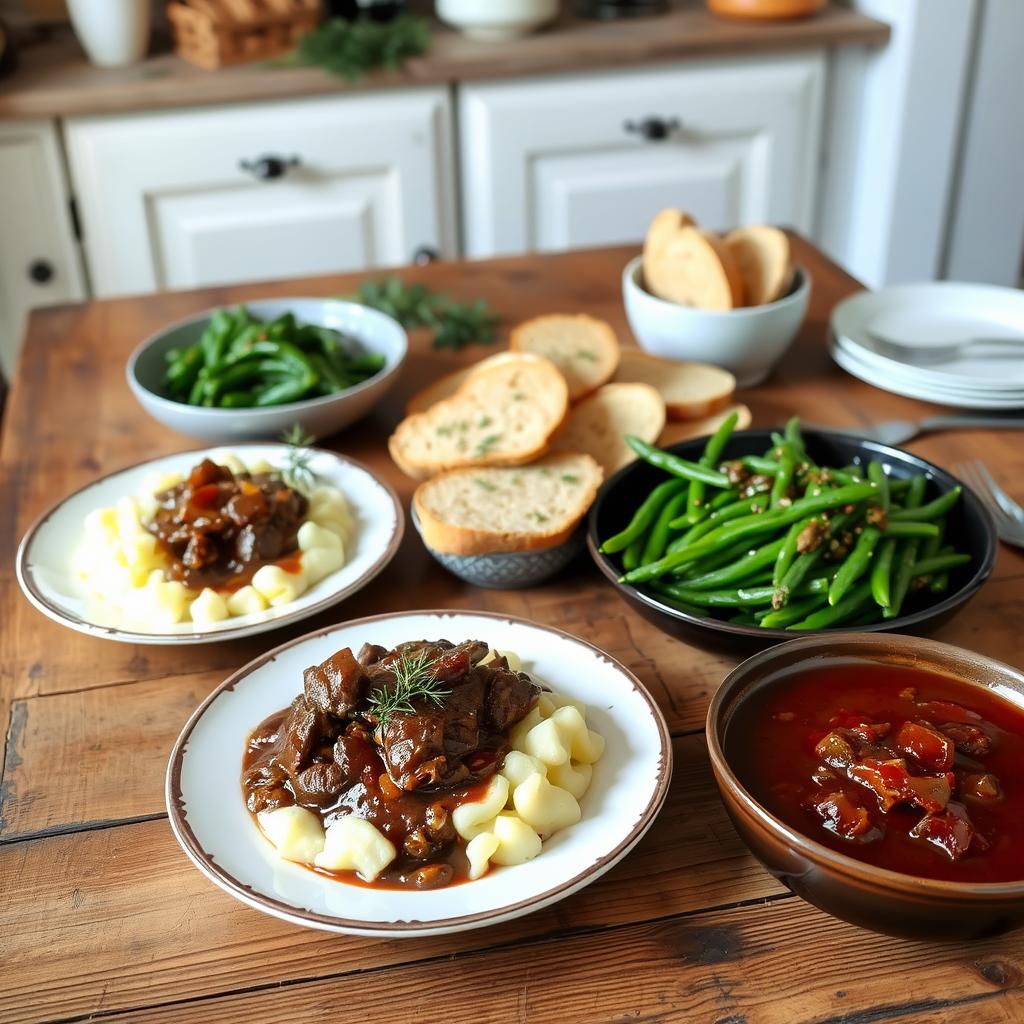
x=749, y=538
x=254, y=371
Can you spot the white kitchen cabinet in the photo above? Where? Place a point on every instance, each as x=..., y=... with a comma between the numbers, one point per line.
x=216, y=195
x=561, y=163
x=39, y=259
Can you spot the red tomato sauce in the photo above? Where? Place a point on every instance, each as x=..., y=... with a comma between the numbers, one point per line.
x=901, y=768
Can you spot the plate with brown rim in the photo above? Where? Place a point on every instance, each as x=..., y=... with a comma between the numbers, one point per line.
x=630, y=781
x=45, y=559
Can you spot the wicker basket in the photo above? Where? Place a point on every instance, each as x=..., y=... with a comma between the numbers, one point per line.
x=213, y=33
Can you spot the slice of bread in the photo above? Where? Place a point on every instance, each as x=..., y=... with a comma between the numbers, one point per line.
x=661, y=231
x=584, y=348
x=523, y=508
x=504, y=415
x=696, y=268
x=690, y=390
x=599, y=423
x=446, y=386
x=764, y=261
x=683, y=430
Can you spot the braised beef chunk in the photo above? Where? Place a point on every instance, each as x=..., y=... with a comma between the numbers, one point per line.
x=968, y=739
x=370, y=654
x=510, y=695
x=305, y=731
x=413, y=748
x=335, y=685
x=399, y=737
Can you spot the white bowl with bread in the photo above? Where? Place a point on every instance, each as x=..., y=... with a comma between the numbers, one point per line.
x=511, y=451
x=735, y=301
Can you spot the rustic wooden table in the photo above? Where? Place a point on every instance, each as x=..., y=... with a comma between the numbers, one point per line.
x=103, y=917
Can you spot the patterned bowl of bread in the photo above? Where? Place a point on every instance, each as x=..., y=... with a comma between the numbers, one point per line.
x=510, y=451
x=736, y=301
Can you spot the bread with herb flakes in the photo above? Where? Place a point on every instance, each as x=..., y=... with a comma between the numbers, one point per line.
x=446, y=386
x=503, y=415
x=481, y=511
x=691, y=390
x=599, y=424
x=584, y=348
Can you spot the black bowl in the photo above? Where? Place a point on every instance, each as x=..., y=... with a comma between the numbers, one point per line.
x=970, y=528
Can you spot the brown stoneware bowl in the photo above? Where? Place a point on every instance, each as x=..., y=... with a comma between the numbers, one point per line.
x=871, y=897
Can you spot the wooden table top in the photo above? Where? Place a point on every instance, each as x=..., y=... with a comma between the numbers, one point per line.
x=55, y=80
x=103, y=917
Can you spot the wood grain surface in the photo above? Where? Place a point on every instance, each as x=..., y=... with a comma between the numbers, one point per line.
x=55, y=80
x=103, y=917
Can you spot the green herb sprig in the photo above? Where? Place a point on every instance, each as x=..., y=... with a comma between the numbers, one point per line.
x=297, y=473
x=414, y=680
x=454, y=324
x=350, y=49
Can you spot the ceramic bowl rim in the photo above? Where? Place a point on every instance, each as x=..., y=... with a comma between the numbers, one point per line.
x=950, y=603
x=798, y=291
x=147, y=395
x=848, y=867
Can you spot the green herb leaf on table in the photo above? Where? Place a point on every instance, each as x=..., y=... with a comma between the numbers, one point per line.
x=413, y=681
x=350, y=49
x=454, y=324
x=297, y=473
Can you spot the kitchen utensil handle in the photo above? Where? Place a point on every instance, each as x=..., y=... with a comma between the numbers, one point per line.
x=933, y=423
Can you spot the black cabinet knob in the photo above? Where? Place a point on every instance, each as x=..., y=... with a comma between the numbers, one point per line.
x=425, y=254
x=41, y=271
x=653, y=129
x=269, y=168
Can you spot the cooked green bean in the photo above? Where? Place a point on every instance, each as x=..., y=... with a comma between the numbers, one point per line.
x=738, y=570
x=657, y=539
x=661, y=459
x=940, y=563
x=631, y=556
x=904, y=528
x=796, y=611
x=904, y=571
x=927, y=513
x=784, y=477
x=695, y=510
x=643, y=517
x=835, y=615
x=878, y=476
x=855, y=565
x=881, y=572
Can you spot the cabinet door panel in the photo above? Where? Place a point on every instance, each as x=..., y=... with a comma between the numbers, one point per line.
x=167, y=202
x=551, y=164
x=36, y=232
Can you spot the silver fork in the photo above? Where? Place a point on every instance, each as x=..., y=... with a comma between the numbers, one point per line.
x=1009, y=516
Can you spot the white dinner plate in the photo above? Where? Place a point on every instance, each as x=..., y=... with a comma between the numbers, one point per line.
x=44, y=557
x=630, y=781
x=902, y=384
x=930, y=315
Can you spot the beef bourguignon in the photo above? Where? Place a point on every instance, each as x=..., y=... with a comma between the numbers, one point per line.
x=219, y=527
x=398, y=737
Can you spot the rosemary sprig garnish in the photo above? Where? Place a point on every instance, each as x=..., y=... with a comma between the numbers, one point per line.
x=414, y=680
x=297, y=473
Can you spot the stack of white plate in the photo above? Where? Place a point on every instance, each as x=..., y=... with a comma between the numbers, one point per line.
x=926, y=319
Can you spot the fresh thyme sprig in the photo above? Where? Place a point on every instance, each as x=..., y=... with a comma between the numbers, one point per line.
x=350, y=49
x=414, y=680
x=297, y=473
x=455, y=324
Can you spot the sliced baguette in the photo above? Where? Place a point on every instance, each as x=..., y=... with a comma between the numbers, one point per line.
x=446, y=386
x=584, y=348
x=690, y=390
x=764, y=261
x=504, y=415
x=683, y=430
x=599, y=423
x=523, y=508
x=696, y=268
x=662, y=230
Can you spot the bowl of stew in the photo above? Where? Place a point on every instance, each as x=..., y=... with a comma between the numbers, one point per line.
x=881, y=778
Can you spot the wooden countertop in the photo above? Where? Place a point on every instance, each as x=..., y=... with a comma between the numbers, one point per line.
x=104, y=918
x=55, y=80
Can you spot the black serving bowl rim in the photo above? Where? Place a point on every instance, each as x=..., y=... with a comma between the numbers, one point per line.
x=691, y=448
x=731, y=693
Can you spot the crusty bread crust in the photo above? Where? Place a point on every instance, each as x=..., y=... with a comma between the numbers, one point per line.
x=446, y=386
x=762, y=255
x=683, y=430
x=690, y=390
x=695, y=268
x=441, y=533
